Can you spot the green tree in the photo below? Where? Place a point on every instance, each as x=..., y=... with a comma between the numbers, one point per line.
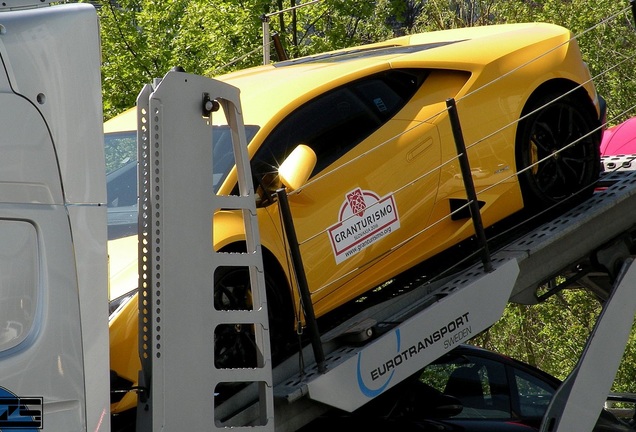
x=143, y=39
x=550, y=335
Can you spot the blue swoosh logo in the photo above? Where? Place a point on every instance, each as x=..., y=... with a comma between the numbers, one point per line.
x=366, y=390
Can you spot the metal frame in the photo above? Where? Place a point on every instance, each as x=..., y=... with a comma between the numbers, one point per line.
x=177, y=261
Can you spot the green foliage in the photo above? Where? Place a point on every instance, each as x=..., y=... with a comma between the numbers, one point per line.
x=553, y=334
x=446, y=14
x=209, y=41
x=550, y=335
x=332, y=24
x=144, y=39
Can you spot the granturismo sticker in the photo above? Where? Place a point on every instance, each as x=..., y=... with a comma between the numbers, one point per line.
x=364, y=218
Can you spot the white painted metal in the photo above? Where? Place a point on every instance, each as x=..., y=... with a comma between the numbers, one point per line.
x=418, y=341
x=52, y=212
x=181, y=263
x=22, y=4
x=577, y=404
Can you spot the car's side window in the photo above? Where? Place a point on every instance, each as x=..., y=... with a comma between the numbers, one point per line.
x=120, y=151
x=479, y=384
x=534, y=395
x=337, y=121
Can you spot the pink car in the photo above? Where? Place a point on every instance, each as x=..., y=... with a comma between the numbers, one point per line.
x=618, y=146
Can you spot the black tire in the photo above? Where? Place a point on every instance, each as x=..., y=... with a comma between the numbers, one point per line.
x=234, y=345
x=549, y=176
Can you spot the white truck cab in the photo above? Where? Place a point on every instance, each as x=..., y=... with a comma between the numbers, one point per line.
x=53, y=263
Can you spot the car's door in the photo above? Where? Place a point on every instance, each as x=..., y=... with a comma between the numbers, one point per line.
x=375, y=179
x=530, y=396
x=480, y=384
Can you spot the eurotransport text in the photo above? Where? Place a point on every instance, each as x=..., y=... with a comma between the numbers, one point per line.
x=451, y=334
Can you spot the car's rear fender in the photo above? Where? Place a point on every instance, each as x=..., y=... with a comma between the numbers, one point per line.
x=584, y=96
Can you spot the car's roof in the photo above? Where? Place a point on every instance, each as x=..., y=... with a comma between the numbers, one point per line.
x=123, y=122
x=277, y=85
x=268, y=89
x=468, y=349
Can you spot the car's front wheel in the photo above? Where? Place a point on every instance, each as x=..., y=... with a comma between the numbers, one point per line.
x=557, y=151
x=234, y=344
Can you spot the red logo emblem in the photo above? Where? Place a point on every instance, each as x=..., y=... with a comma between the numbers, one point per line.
x=356, y=202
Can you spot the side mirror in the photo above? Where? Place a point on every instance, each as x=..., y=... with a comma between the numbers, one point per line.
x=447, y=406
x=296, y=169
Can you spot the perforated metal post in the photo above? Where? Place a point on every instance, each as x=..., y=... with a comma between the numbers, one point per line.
x=178, y=318
x=144, y=406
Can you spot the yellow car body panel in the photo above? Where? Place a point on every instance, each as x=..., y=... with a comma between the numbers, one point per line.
x=491, y=72
x=123, y=330
x=122, y=122
x=122, y=266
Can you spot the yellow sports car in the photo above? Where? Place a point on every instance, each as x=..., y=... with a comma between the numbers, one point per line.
x=385, y=190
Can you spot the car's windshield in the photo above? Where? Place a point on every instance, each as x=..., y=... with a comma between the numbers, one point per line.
x=120, y=150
